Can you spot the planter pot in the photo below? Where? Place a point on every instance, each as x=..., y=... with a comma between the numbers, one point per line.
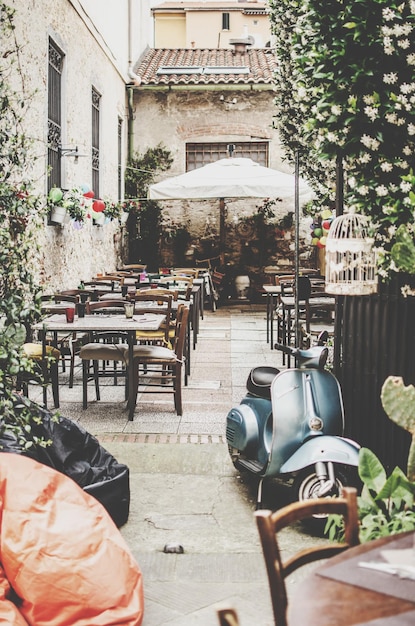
x=242, y=284
x=124, y=217
x=99, y=219
x=58, y=214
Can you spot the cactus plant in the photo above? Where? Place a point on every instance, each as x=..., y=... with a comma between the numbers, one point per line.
x=398, y=402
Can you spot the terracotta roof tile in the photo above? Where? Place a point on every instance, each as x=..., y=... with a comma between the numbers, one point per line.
x=202, y=67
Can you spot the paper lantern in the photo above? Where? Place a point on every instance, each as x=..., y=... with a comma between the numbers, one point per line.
x=98, y=206
x=55, y=194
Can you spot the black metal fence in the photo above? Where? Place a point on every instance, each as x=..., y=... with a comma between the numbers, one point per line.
x=377, y=340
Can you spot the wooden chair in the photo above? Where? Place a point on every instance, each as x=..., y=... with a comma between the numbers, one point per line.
x=161, y=368
x=228, y=617
x=68, y=344
x=45, y=370
x=148, y=303
x=103, y=348
x=270, y=523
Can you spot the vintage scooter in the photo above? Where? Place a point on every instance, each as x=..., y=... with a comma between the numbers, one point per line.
x=290, y=427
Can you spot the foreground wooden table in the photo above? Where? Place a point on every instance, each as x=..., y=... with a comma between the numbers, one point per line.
x=322, y=601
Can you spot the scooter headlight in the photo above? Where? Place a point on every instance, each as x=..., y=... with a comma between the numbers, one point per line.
x=315, y=423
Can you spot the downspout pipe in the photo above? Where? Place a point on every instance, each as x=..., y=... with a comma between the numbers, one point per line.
x=135, y=82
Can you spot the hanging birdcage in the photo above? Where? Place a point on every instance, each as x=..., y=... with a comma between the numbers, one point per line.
x=350, y=257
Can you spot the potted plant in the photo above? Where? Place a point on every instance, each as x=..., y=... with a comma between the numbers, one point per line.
x=56, y=206
x=75, y=204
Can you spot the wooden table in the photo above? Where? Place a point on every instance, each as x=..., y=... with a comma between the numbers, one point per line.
x=354, y=595
x=104, y=323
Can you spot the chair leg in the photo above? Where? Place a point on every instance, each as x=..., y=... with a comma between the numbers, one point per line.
x=96, y=379
x=85, y=371
x=54, y=377
x=178, y=389
x=136, y=379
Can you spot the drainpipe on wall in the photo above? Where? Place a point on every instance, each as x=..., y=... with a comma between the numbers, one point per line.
x=135, y=82
x=130, y=138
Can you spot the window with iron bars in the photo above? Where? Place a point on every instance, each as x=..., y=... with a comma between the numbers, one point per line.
x=96, y=101
x=55, y=69
x=199, y=154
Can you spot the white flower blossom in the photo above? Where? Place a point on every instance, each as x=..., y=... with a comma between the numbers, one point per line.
x=411, y=129
x=332, y=137
x=406, y=291
x=410, y=59
x=363, y=190
x=382, y=190
x=365, y=158
x=370, y=142
x=386, y=167
x=407, y=87
x=391, y=78
x=368, y=99
x=404, y=44
x=388, y=14
x=371, y=112
x=405, y=186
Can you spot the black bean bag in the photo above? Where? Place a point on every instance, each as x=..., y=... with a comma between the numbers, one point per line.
x=73, y=452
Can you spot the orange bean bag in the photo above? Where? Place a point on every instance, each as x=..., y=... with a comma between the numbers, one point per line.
x=61, y=553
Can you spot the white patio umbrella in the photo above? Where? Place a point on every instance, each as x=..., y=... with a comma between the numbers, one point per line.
x=230, y=178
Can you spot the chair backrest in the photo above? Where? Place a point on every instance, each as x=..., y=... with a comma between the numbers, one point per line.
x=176, y=280
x=159, y=291
x=105, y=306
x=60, y=297
x=304, y=287
x=181, y=330
x=152, y=299
x=186, y=271
x=134, y=266
x=270, y=523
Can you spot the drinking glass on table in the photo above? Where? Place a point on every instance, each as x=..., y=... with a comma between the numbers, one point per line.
x=129, y=309
x=70, y=314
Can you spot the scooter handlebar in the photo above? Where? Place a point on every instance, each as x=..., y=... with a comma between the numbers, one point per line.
x=286, y=349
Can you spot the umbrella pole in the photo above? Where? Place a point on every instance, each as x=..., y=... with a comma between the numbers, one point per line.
x=297, y=245
x=222, y=230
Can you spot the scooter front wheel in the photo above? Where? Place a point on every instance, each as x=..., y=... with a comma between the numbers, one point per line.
x=307, y=486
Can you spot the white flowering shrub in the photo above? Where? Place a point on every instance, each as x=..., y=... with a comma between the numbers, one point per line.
x=346, y=87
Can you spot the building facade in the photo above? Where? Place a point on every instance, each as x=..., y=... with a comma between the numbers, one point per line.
x=75, y=64
x=210, y=24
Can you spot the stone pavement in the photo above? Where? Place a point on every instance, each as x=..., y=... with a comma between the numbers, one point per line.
x=184, y=488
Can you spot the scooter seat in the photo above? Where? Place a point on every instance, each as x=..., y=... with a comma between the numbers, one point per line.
x=259, y=381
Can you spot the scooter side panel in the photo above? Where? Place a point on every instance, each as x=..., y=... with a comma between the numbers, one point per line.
x=249, y=428
x=301, y=398
x=325, y=448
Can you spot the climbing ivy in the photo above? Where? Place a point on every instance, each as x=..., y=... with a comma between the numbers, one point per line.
x=21, y=215
x=144, y=222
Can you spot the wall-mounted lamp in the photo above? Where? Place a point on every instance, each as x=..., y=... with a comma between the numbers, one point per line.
x=233, y=101
x=72, y=152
